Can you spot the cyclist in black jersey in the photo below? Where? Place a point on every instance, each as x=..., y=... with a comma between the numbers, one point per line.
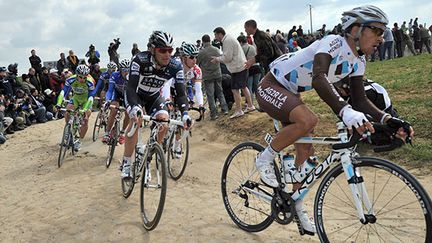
x=149, y=71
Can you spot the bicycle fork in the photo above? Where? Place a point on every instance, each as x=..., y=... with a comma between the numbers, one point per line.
x=362, y=203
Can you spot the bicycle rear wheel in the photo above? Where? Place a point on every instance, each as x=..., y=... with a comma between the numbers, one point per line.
x=64, y=144
x=401, y=207
x=240, y=185
x=177, y=159
x=99, y=123
x=153, y=187
x=112, y=143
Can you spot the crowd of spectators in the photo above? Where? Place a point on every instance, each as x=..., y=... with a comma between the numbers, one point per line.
x=30, y=98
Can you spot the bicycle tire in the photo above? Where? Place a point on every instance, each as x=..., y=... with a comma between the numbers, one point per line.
x=330, y=230
x=128, y=184
x=149, y=222
x=174, y=172
x=97, y=126
x=64, y=144
x=112, y=144
x=243, y=156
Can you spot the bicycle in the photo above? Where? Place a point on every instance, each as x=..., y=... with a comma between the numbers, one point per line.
x=70, y=133
x=176, y=156
x=114, y=134
x=150, y=164
x=100, y=122
x=386, y=201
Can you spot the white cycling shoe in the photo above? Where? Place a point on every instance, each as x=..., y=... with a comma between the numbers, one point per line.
x=267, y=171
x=306, y=222
x=126, y=170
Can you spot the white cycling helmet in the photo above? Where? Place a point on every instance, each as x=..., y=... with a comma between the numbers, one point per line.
x=112, y=66
x=188, y=49
x=160, y=39
x=82, y=70
x=125, y=63
x=363, y=15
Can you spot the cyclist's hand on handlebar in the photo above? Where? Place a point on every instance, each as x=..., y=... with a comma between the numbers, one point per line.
x=355, y=119
x=187, y=121
x=403, y=129
x=133, y=113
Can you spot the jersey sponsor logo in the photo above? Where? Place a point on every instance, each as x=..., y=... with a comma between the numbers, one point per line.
x=334, y=45
x=135, y=66
x=152, y=81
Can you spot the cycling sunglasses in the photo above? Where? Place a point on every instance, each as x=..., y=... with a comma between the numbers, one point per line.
x=82, y=77
x=191, y=57
x=376, y=30
x=164, y=50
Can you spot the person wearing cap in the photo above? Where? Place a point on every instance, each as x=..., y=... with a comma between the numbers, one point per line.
x=93, y=55
x=5, y=85
x=49, y=100
x=317, y=66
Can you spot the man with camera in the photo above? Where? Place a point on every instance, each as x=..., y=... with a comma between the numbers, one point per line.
x=112, y=51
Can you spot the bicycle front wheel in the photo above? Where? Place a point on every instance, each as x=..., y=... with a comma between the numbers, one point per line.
x=401, y=208
x=64, y=144
x=98, y=124
x=153, y=187
x=177, y=154
x=246, y=199
x=112, y=144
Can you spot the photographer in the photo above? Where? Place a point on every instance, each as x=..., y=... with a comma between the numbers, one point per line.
x=93, y=55
x=112, y=51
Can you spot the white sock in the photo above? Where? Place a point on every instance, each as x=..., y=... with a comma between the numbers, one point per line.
x=268, y=154
x=198, y=93
x=299, y=205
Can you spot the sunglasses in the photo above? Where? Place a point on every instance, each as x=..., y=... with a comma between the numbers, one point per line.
x=191, y=57
x=82, y=77
x=164, y=50
x=376, y=30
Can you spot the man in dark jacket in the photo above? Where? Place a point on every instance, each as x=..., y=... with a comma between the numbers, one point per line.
x=267, y=50
x=112, y=51
x=61, y=63
x=397, y=34
x=72, y=61
x=35, y=62
x=34, y=80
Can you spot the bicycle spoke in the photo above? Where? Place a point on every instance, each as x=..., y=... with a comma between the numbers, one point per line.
x=341, y=210
x=390, y=233
x=390, y=200
x=343, y=191
x=382, y=189
x=395, y=208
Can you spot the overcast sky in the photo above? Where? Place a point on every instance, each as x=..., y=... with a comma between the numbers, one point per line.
x=54, y=26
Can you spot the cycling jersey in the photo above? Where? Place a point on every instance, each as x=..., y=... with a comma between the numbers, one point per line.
x=82, y=91
x=145, y=81
x=191, y=75
x=296, y=74
x=103, y=81
x=117, y=85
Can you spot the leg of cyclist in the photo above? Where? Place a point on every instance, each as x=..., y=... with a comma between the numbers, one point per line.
x=84, y=126
x=67, y=115
x=111, y=119
x=162, y=115
x=122, y=137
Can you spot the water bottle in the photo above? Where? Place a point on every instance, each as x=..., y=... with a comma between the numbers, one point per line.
x=287, y=165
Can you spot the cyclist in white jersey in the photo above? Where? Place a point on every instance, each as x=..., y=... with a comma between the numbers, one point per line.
x=324, y=62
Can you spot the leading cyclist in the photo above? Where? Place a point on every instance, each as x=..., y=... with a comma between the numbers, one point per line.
x=149, y=71
x=324, y=62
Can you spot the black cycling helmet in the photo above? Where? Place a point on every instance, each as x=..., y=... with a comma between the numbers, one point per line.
x=160, y=39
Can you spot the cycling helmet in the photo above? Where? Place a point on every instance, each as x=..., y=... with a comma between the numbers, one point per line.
x=125, y=63
x=82, y=70
x=363, y=15
x=160, y=39
x=112, y=66
x=189, y=49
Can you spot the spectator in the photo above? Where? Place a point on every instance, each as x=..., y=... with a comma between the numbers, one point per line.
x=267, y=50
x=234, y=58
x=403, y=28
x=72, y=62
x=299, y=31
x=281, y=43
x=254, y=72
x=388, y=45
x=96, y=72
x=112, y=51
x=33, y=79
x=49, y=101
x=294, y=28
x=212, y=77
x=424, y=39
x=40, y=113
x=135, y=49
x=93, y=55
x=5, y=85
x=45, y=79
x=198, y=44
x=12, y=77
x=61, y=63
x=322, y=31
x=35, y=62
x=56, y=83
x=397, y=34
x=408, y=42
x=291, y=41
x=417, y=38
x=26, y=84
x=410, y=27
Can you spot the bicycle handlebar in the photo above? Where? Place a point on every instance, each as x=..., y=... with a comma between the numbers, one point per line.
x=149, y=118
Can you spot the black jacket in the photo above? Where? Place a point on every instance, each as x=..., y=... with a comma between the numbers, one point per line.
x=267, y=49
